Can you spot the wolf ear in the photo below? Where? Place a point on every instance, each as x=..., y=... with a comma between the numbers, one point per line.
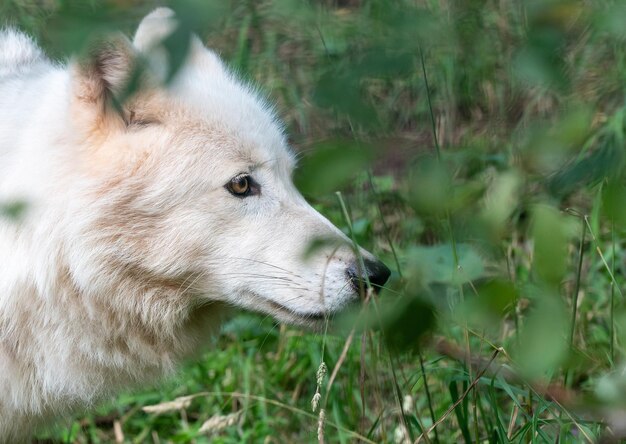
x=100, y=77
x=154, y=28
x=151, y=40
x=150, y=37
x=105, y=70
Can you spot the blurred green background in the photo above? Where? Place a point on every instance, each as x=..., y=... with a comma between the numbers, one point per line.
x=479, y=149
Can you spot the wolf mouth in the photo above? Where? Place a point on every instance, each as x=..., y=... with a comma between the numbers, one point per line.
x=284, y=313
x=312, y=316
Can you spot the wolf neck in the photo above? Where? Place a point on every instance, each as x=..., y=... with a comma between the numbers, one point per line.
x=87, y=345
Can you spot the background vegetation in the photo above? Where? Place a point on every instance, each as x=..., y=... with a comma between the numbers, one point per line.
x=479, y=149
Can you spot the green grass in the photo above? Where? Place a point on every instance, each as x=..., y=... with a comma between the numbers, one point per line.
x=479, y=148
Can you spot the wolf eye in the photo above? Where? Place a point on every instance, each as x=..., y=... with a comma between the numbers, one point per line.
x=241, y=185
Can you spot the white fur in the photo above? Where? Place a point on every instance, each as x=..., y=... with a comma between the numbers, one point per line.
x=131, y=249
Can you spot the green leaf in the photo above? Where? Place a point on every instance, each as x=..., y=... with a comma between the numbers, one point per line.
x=341, y=91
x=431, y=187
x=437, y=264
x=331, y=166
x=551, y=233
x=460, y=412
x=13, y=210
x=605, y=162
x=543, y=340
x=613, y=207
x=407, y=321
x=500, y=201
x=492, y=302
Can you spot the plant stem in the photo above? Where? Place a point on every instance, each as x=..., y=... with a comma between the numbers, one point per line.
x=577, y=287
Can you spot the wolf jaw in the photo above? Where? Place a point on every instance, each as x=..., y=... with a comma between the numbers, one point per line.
x=132, y=248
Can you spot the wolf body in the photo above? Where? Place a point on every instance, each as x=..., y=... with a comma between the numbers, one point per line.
x=143, y=226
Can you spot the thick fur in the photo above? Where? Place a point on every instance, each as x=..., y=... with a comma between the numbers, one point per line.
x=131, y=249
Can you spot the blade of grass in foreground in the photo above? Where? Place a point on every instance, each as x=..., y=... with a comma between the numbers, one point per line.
x=455, y=254
x=406, y=426
x=395, y=256
x=577, y=287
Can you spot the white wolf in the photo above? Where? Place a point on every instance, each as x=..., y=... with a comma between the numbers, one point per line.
x=143, y=225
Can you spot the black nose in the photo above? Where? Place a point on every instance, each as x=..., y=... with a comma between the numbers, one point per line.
x=377, y=274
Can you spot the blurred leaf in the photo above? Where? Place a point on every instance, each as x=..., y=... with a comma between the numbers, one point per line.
x=334, y=44
x=302, y=13
x=362, y=230
x=403, y=25
x=492, y=302
x=431, y=187
x=549, y=146
x=194, y=17
x=558, y=14
x=331, y=166
x=383, y=184
x=13, y=210
x=380, y=62
x=177, y=46
x=611, y=20
x=75, y=25
x=319, y=243
x=543, y=340
x=611, y=387
x=500, y=201
x=342, y=92
x=540, y=67
x=199, y=16
x=436, y=264
x=407, y=321
x=433, y=193
x=606, y=161
x=551, y=232
x=542, y=60
x=613, y=201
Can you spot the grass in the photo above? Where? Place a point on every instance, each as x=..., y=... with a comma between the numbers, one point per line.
x=479, y=148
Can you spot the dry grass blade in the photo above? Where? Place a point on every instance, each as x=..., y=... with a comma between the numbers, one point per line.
x=217, y=423
x=352, y=433
x=170, y=406
x=342, y=358
x=117, y=430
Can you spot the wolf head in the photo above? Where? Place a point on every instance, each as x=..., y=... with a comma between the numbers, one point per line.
x=190, y=185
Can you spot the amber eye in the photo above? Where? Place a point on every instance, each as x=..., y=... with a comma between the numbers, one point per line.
x=240, y=185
